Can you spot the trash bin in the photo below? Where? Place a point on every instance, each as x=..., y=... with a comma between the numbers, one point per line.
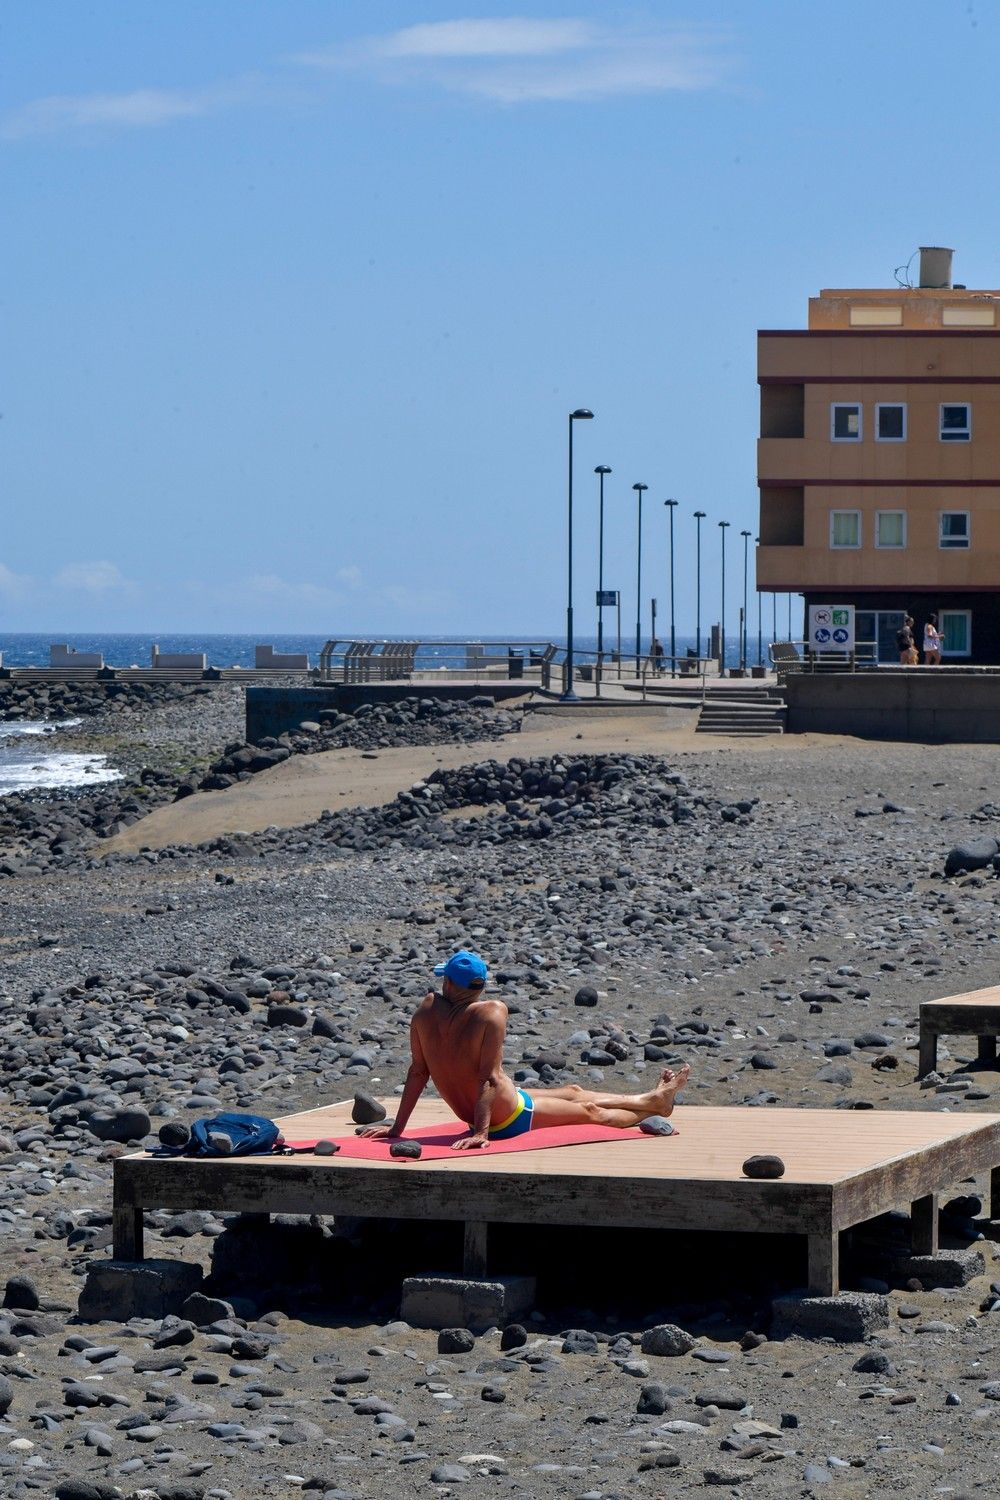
x=515, y=665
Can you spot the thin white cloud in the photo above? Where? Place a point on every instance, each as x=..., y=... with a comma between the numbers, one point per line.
x=92, y=578
x=141, y=109
x=350, y=576
x=504, y=59
x=513, y=59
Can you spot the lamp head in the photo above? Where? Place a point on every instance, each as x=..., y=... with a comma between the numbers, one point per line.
x=602, y=469
x=723, y=523
x=745, y=533
x=671, y=502
x=640, y=487
x=700, y=515
x=581, y=415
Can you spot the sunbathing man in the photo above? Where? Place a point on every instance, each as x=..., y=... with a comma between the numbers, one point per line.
x=456, y=1039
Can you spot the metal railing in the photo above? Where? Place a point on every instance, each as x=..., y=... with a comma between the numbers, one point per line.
x=797, y=656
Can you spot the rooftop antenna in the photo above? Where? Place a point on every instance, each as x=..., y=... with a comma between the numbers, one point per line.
x=902, y=273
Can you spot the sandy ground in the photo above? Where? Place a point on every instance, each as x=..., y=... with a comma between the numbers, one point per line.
x=302, y=788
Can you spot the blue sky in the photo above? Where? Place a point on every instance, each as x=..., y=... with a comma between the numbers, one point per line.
x=297, y=296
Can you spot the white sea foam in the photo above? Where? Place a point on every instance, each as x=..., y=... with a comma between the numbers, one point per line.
x=26, y=768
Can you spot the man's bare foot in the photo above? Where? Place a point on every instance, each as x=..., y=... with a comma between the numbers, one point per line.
x=670, y=1084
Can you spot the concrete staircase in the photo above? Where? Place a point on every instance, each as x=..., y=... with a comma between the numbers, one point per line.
x=743, y=712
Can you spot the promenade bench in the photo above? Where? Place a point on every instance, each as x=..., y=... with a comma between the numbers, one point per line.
x=976, y=1013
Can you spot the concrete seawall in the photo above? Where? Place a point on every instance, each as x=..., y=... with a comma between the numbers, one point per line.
x=928, y=704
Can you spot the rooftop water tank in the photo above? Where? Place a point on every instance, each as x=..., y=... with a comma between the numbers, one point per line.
x=935, y=266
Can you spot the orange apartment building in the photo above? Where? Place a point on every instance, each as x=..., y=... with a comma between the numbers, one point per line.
x=879, y=460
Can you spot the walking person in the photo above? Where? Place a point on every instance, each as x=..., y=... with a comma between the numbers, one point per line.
x=932, y=642
x=904, y=641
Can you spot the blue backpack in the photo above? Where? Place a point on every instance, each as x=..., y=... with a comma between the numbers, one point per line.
x=250, y=1135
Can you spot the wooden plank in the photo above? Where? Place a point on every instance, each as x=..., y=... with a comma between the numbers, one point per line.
x=924, y=1225
x=960, y=1020
x=415, y=1192
x=989, y=995
x=474, y=1249
x=898, y=1183
x=127, y=1218
x=824, y=1263
x=927, y=1062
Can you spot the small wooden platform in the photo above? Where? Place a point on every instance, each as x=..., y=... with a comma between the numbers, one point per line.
x=976, y=1013
x=842, y=1168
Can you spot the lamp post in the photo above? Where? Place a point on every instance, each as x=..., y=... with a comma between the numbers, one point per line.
x=569, y=696
x=638, y=580
x=760, y=628
x=774, y=617
x=746, y=563
x=600, y=471
x=722, y=622
x=671, y=507
x=699, y=516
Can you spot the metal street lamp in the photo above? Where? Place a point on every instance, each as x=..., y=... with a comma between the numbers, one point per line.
x=722, y=622
x=569, y=696
x=760, y=628
x=601, y=470
x=671, y=507
x=746, y=556
x=638, y=581
x=699, y=516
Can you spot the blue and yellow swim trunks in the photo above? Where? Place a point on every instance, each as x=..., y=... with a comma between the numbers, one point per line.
x=516, y=1124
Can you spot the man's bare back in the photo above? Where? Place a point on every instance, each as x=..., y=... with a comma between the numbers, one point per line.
x=456, y=1039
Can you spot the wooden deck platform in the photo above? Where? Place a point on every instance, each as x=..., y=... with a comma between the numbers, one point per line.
x=976, y=1013
x=842, y=1168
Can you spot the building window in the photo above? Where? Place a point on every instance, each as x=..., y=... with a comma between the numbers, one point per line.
x=890, y=528
x=890, y=422
x=956, y=422
x=953, y=528
x=956, y=632
x=845, y=422
x=845, y=528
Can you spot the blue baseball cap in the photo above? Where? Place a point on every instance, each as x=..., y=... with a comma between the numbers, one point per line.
x=465, y=969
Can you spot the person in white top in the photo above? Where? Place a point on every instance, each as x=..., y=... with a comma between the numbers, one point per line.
x=932, y=643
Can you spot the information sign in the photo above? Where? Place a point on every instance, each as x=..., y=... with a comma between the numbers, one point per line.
x=607, y=598
x=831, y=627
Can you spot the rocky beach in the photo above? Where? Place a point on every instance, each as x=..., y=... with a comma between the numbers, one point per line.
x=249, y=927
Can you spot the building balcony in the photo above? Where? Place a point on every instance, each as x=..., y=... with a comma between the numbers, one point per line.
x=805, y=568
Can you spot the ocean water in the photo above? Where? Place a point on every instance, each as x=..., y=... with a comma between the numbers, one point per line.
x=238, y=650
x=25, y=764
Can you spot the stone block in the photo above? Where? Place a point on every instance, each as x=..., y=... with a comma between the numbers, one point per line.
x=948, y=1268
x=123, y=1289
x=440, y=1301
x=848, y=1318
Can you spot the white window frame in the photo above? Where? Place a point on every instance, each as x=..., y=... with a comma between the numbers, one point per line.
x=845, y=546
x=890, y=546
x=955, y=436
x=968, y=631
x=955, y=545
x=836, y=406
x=899, y=405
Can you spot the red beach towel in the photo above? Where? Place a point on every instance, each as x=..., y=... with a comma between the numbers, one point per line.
x=436, y=1141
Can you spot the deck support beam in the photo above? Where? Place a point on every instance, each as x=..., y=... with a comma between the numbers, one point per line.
x=824, y=1263
x=474, y=1249
x=987, y=1055
x=995, y=1193
x=928, y=1051
x=924, y=1225
x=127, y=1228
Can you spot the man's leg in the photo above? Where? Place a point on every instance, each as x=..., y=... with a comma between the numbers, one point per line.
x=574, y=1105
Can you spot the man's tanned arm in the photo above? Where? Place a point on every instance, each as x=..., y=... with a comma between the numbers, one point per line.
x=416, y=1082
x=490, y=1067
